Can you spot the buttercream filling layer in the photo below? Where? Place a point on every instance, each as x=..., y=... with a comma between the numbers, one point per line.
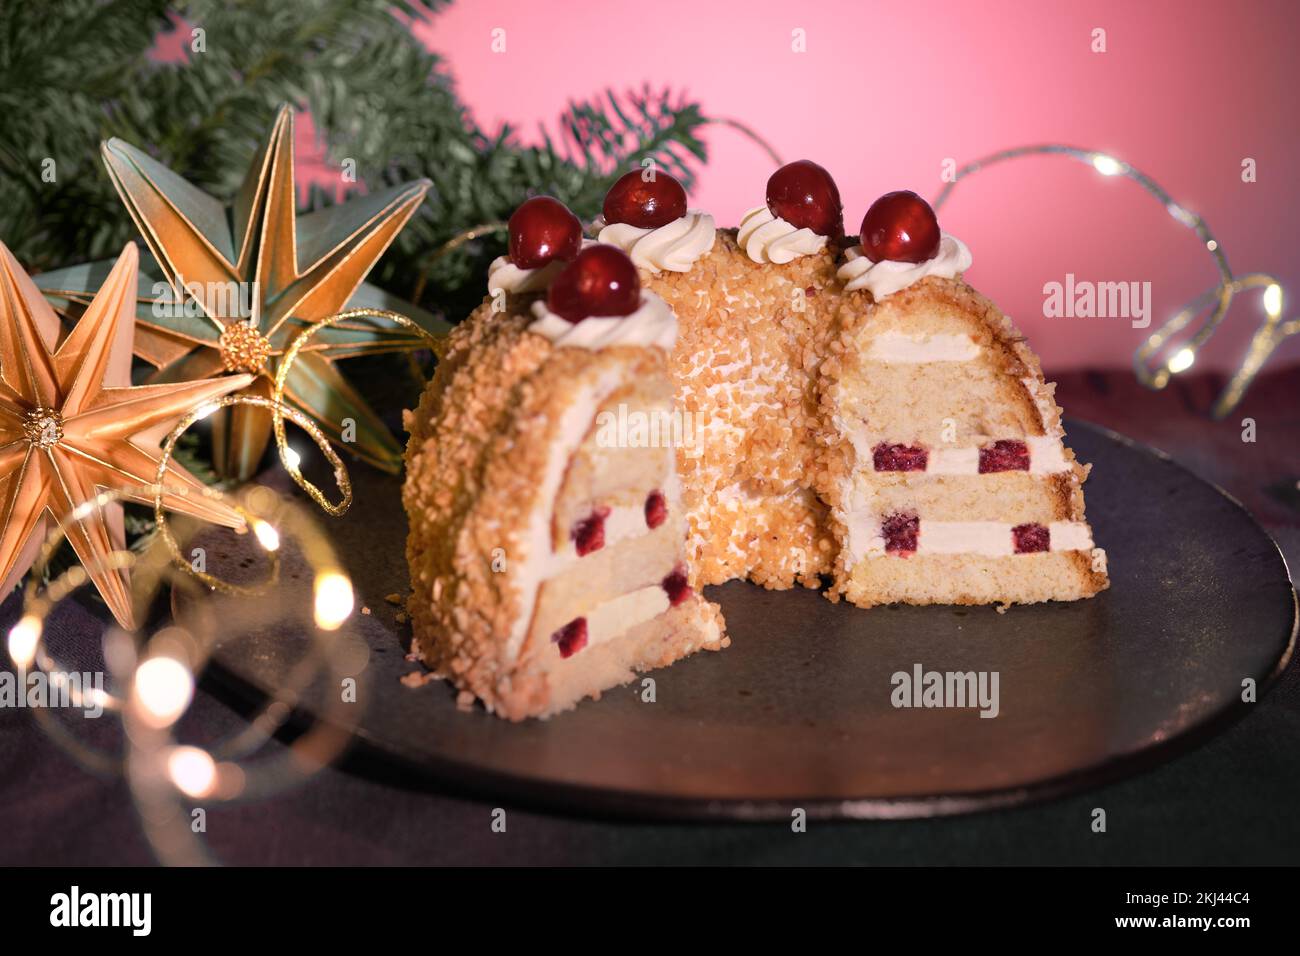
x=619, y=615
x=899, y=347
x=1046, y=455
x=983, y=538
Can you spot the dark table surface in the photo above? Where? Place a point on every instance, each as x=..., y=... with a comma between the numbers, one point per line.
x=1230, y=801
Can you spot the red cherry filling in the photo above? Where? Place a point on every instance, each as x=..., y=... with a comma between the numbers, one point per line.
x=1006, y=455
x=804, y=195
x=543, y=229
x=589, y=533
x=900, y=457
x=900, y=532
x=600, y=280
x=656, y=510
x=900, y=226
x=1029, y=538
x=676, y=586
x=645, y=203
x=572, y=637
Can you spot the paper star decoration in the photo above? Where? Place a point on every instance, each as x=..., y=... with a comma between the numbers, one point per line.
x=258, y=273
x=71, y=424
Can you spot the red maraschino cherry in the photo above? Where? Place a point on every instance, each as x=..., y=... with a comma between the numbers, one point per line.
x=645, y=203
x=601, y=280
x=804, y=195
x=900, y=226
x=542, y=230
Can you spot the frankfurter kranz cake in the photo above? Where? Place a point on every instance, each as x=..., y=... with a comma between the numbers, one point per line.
x=850, y=411
x=547, y=545
x=946, y=473
x=752, y=313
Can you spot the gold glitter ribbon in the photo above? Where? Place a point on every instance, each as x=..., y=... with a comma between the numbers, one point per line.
x=280, y=410
x=435, y=342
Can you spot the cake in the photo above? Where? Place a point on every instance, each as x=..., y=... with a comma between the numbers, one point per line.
x=856, y=417
x=546, y=546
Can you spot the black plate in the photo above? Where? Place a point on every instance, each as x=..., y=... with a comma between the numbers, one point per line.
x=798, y=713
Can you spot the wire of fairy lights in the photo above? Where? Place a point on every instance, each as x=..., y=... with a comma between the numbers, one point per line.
x=157, y=674
x=280, y=408
x=265, y=532
x=153, y=675
x=1156, y=361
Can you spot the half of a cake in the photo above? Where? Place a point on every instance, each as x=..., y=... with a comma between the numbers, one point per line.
x=547, y=534
x=946, y=471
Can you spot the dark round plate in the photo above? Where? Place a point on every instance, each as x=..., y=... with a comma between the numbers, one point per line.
x=798, y=713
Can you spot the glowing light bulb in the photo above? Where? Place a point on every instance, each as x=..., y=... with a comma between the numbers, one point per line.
x=267, y=536
x=1273, y=300
x=1212, y=245
x=23, y=638
x=1182, y=361
x=1106, y=165
x=334, y=600
x=192, y=770
x=292, y=458
x=163, y=689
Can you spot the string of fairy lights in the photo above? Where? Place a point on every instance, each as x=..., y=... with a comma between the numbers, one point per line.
x=1163, y=354
x=154, y=675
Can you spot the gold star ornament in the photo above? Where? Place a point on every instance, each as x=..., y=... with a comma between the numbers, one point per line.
x=71, y=424
x=250, y=277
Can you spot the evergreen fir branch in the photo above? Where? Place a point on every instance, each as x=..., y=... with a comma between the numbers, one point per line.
x=75, y=72
x=600, y=141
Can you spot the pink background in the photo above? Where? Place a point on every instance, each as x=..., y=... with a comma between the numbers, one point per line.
x=886, y=91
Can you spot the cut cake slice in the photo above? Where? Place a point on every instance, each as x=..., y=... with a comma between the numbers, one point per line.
x=946, y=472
x=547, y=560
